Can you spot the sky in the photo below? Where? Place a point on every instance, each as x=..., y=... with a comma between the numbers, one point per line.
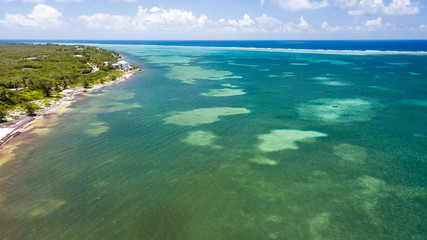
x=213, y=19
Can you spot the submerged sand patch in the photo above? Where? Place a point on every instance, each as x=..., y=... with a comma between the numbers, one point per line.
x=110, y=107
x=263, y=161
x=351, y=153
x=168, y=59
x=379, y=88
x=202, y=139
x=299, y=64
x=203, y=115
x=414, y=73
x=335, y=83
x=318, y=225
x=332, y=110
x=283, y=139
x=330, y=61
x=400, y=64
x=224, y=92
x=36, y=209
x=46, y=207
x=372, y=189
x=97, y=128
x=190, y=74
x=7, y=153
x=228, y=85
x=329, y=82
x=416, y=102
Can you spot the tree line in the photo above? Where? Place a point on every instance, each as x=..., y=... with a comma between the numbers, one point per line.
x=31, y=72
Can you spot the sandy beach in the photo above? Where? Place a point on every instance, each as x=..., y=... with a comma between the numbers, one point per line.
x=25, y=122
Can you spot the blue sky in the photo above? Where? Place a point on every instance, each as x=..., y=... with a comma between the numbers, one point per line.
x=213, y=19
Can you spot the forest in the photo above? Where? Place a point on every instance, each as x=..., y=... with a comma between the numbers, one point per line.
x=30, y=72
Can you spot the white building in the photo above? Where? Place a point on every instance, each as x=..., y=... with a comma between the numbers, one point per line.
x=122, y=64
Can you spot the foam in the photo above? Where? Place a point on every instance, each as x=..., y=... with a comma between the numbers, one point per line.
x=202, y=139
x=190, y=74
x=351, y=153
x=263, y=161
x=97, y=128
x=203, y=115
x=225, y=92
x=283, y=139
x=332, y=110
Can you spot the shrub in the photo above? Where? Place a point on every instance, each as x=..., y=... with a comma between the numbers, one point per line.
x=31, y=108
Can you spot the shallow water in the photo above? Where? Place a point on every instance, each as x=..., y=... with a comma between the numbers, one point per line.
x=230, y=144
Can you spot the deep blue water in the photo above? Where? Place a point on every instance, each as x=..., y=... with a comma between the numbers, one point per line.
x=363, y=45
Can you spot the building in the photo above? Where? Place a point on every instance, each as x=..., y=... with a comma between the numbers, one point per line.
x=122, y=64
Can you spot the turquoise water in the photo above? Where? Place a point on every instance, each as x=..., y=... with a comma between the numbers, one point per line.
x=211, y=143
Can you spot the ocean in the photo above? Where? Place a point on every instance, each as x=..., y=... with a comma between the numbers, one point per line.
x=232, y=140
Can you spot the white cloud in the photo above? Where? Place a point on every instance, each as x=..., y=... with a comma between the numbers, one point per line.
x=395, y=7
x=346, y=3
x=33, y=1
x=296, y=5
x=263, y=23
x=158, y=19
x=302, y=26
x=303, y=23
x=41, y=1
x=106, y=21
x=245, y=22
x=268, y=22
x=401, y=7
x=42, y=16
x=153, y=19
x=422, y=26
x=329, y=28
x=374, y=24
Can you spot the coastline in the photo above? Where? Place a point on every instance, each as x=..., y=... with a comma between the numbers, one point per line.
x=15, y=127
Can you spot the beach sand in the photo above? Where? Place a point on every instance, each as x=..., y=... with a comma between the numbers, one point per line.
x=21, y=129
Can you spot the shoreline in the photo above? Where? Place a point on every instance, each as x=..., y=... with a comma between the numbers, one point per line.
x=15, y=127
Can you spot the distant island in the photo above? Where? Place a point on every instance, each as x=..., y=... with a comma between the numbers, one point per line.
x=37, y=77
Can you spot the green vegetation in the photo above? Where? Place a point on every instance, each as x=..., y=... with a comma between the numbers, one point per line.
x=32, y=72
